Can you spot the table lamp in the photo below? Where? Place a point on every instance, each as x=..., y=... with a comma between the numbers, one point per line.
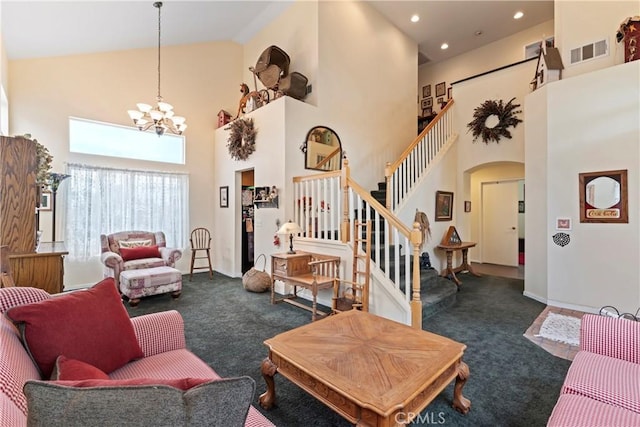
x=290, y=228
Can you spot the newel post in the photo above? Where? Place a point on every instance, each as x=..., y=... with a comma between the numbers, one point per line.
x=416, y=304
x=344, y=183
x=387, y=178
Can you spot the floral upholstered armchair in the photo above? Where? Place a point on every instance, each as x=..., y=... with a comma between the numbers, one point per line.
x=133, y=250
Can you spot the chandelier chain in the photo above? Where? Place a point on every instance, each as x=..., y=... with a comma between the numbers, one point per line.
x=159, y=6
x=160, y=117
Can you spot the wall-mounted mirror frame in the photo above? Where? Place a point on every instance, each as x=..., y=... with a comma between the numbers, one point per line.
x=322, y=149
x=603, y=196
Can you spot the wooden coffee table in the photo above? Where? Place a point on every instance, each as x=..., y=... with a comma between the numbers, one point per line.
x=370, y=370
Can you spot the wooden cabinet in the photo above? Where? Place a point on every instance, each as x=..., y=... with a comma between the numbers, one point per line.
x=18, y=194
x=42, y=269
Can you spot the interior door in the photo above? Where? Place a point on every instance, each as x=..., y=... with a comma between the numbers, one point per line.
x=500, y=223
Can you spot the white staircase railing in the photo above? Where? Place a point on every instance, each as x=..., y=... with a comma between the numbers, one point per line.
x=326, y=204
x=403, y=175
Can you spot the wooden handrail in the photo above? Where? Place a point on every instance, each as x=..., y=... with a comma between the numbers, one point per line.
x=384, y=212
x=393, y=166
x=316, y=176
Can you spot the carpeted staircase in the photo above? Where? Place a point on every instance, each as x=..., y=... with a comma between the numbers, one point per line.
x=436, y=292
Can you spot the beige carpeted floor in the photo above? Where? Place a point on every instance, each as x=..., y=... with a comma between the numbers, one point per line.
x=565, y=351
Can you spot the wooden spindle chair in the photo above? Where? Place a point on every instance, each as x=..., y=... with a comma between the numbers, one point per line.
x=200, y=242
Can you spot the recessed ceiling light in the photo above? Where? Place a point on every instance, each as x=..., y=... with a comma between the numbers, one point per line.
x=518, y=15
x=415, y=18
x=444, y=46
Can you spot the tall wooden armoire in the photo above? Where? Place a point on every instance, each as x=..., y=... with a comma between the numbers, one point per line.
x=18, y=193
x=42, y=267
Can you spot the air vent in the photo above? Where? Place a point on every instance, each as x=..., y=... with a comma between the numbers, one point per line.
x=589, y=51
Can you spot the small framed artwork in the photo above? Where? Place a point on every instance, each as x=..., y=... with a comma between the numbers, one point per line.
x=563, y=223
x=424, y=104
x=440, y=100
x=426, y=91
x=521, y=206
x=45, y=201
x=426, y=112
x=603, y=196
x=449, y=90
x=467, y=206
x=444, y=206
x=224, y=196
x=441, y=89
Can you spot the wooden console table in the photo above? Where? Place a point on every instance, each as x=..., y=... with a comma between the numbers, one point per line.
x=306, y=270
x=42, y=269
x=464, y=266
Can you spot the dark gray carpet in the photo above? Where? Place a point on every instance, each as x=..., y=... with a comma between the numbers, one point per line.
x=513, y=382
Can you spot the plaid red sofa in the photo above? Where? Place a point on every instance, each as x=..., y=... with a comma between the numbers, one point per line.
x=602, y=386
x=161, y=338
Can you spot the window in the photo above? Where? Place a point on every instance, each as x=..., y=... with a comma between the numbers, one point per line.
x=104, y=139
x=106, y=200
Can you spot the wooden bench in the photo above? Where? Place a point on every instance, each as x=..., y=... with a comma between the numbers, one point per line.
x=306, y=270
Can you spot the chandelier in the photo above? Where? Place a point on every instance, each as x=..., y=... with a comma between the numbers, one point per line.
x=161, y=117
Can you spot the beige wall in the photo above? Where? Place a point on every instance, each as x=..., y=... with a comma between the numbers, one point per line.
x=367, y=74
x=197, y=79
x=494, y=55
x=599, y=266
x=578, y=23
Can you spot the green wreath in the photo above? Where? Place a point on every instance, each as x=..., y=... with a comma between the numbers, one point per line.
x=242, y=139
x=505, y=114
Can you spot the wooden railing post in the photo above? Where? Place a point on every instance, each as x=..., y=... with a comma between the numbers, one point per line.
x=416, y=304
x=387, y=179
x=344, y=183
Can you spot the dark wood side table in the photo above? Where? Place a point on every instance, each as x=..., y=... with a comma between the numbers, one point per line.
x=464, y=266
x=43, y=268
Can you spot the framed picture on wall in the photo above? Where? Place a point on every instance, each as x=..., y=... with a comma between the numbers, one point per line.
x=426, y=91
x=224, y=197
x=449, y=90
x=603, y=196
x=521, y=206
x=444, y=206
x=45, y=201
x=467, y=206
x=563, y=223
x=441, y=89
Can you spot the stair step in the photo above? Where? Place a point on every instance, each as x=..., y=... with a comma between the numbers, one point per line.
x=382, y=186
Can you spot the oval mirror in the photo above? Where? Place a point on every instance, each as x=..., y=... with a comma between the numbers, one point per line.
x=322, y=149
x=603, y=192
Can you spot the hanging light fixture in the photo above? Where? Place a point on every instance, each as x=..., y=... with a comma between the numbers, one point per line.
x=161, y=117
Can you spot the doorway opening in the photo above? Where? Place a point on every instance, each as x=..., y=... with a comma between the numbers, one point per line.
x=247, y=212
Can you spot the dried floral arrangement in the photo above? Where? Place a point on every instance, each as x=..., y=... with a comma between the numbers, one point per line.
x=505, y=114
x=44, y=162
x=242, y=139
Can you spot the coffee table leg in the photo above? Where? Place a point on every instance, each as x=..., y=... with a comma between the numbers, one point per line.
x=461, y=403
x=268, y=369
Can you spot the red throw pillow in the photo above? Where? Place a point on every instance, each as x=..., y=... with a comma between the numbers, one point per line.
x=67, y=369
x=140, y=252
x=179, y=383
x=88, y=325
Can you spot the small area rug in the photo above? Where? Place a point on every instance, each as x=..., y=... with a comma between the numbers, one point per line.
x=557, y=348
x=561, y=328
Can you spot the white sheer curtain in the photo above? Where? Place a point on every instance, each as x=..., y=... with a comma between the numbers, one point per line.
x=105, y=200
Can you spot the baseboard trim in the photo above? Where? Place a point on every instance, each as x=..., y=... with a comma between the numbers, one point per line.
x=534, y=297
x=576, y=307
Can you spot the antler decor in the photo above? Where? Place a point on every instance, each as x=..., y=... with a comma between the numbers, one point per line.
x=504, y=114
x=242, y=140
